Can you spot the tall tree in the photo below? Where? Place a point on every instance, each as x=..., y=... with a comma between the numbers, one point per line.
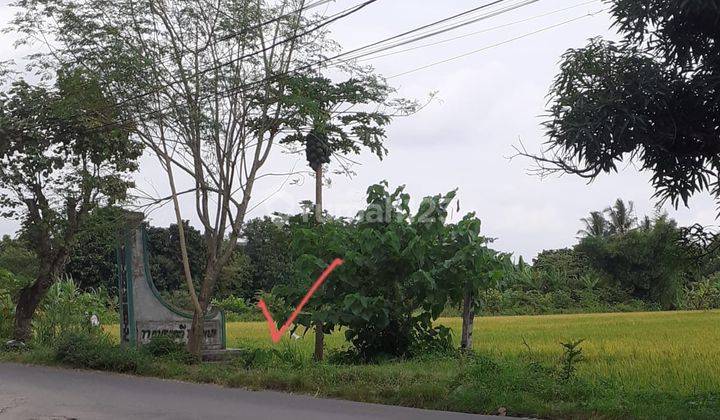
x=621, y=217
x=595, y=225
x=58, y=161
x=653, y=99
x=202, y=83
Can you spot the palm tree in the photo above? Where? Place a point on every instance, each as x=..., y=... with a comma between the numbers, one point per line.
x=621, y=217
x=595, y=225
x=646, y=223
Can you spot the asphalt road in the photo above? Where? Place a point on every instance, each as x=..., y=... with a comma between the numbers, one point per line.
x=43, y=393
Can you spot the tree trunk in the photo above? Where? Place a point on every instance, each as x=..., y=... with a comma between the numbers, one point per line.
x=196, y=334
x=28, y=301
x=318, y=195
x=319, y=343
x=468, y=317
x=319, y=333
x=195, y=341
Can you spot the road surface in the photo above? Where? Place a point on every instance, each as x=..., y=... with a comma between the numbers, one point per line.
x=43, y=393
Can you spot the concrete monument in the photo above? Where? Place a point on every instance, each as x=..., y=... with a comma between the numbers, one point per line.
x=143, y=312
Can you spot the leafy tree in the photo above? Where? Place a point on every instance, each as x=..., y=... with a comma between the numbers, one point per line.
x=93, y=260
x=236, y=276
x=561, y=269
x=469, y=268
x=621, y=217
x=595, y=225
x=651, y=265
x=653, y=99
x=58, y=161
x=17, y=258
x=314, y=104
x=166, y=259
x=267, y=243
x=10, y=286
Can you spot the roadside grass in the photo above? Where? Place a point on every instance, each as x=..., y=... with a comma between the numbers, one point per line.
x=635, y=365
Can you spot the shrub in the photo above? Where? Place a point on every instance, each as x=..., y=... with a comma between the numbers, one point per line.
x=237, y=309
x=165, y=347
x=10, y=286
x=703, y=295
x=97, y=351
x=67, y=309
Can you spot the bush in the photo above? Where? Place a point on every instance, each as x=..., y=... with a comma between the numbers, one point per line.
x=97, y=351
x=165, y=347
x=237, y=309
x=10, y=286
x=703, y=295
x=66, y=309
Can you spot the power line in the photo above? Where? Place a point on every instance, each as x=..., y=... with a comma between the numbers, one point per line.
x=331, y=59
x=392, y=38
x=497, y=44
x=448, y=28
x=480, y=32
x=317, y=63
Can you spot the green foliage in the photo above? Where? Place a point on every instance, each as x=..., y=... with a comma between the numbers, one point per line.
x=653, y=98
x=468, y=266
x=401, y=269
x=266, y=248
x=595, y=225
x=93, y=260
x=97, y=351
x=703, y=295
x=165, y=258
x=572, y=354
x=652, y=265
x=166, y=347
x=311, y=100
x=237, y=309
x=234, y=278
x=10, y=286
x=17, y=257
x=67, y=309
x=560, y=269
x=62, y=155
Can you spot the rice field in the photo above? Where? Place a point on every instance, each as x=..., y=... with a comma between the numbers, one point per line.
x=669, y=351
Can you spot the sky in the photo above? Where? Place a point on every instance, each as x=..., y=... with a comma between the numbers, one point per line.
x=486, y=103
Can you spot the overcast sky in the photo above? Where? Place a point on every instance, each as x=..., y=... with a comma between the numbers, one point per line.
x=487, y=102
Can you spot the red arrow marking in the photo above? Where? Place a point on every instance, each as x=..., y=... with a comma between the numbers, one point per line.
x=274, y=333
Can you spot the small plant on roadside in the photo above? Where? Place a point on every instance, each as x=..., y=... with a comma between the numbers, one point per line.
x=291, y=355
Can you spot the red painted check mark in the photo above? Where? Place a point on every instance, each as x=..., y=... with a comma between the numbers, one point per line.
x=277, y=335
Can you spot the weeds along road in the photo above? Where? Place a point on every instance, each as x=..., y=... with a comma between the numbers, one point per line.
x=34, y=392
